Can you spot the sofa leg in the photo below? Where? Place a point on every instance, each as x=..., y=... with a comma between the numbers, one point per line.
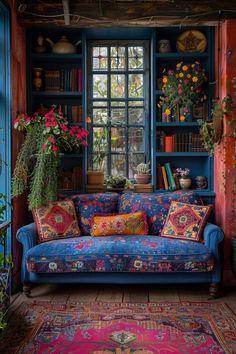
x=213, y=290
x=27, y=289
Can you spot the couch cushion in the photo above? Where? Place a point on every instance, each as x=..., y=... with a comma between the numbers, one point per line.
x=155, y=205
x=56, y=220
x=186, y=221
x=87, y=205
x=119, y=254
x=120, y=224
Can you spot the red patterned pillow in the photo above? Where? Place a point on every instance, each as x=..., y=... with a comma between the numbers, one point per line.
x=186, y=221
x=55, y=221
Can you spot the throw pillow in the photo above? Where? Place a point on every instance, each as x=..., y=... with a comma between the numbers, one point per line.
x=186, y=221
x=120, y=224
x=55, y=221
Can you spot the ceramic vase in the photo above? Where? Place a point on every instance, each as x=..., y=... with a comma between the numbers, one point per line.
x=185, y=183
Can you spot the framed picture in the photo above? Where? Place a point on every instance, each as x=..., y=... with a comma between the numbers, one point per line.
x=199, y=111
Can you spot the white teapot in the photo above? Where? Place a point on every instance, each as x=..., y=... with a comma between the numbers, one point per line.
x=63, y=46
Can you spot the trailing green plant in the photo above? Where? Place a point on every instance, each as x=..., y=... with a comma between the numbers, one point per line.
x=38, y=160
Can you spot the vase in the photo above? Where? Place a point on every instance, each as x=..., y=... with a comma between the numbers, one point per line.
x=142, y=178
x=185, y=183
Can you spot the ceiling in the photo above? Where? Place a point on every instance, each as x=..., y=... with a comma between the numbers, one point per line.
x=118, y=13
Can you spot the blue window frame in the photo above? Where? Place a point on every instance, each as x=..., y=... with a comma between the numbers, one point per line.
x=118, y=90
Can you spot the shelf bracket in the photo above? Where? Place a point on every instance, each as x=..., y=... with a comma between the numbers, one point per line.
x=66, y=11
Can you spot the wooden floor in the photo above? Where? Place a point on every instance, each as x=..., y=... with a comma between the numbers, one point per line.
x=116, y=293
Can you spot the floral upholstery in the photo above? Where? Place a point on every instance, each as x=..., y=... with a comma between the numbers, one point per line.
x=119, y=254
x=186, y=221
x=120, y=224
x=155, y=205
x=87, y=205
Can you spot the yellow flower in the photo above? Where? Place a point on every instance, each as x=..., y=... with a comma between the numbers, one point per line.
x=167, y=111
x=185, y=68
x=195, y=79
x=165, y=79
x=179, y=65
x=193, y=65
x=188, y=76
x=181, y=74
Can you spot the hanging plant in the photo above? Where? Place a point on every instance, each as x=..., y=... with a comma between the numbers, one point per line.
x=38, y=160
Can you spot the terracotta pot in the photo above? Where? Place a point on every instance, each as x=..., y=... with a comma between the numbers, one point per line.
x=142, y=178
x=218, y=127
x=95, y=177
x=185, y=183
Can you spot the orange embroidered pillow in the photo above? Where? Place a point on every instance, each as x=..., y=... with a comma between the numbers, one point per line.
x=120, y=224
x=55, y=221
x=186, y=221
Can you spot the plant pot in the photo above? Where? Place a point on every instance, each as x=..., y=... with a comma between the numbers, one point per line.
x=185, y=183
x=95, y=177
x=142, y=178
x=218, y=127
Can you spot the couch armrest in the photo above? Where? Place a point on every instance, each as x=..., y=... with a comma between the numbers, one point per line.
x=213, y=235
x=27, y=236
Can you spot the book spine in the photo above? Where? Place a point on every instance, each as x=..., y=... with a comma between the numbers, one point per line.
x=165, y=178
x=170, y=176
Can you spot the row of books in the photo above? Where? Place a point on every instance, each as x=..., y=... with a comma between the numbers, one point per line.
x=74, y=114
x=175, y=114
x=63, y=80
x=178, y=142
x=165, y=178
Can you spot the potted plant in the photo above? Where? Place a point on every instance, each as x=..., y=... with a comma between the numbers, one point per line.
x=182, y=88
x=183, y=176
x=120, y=182
x=47, y=136
x=143, y=176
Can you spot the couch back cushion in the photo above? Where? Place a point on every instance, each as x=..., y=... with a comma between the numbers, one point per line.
x=87, y=205
x=155, y=205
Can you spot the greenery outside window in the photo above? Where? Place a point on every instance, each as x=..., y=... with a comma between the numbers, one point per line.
x=118, y=90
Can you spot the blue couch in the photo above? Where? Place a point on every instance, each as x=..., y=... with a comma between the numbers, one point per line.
x=148, y=259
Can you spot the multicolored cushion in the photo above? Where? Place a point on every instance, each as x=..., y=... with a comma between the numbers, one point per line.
x=155, y=205
x=186, y=221
x=121, y=224
x=87, y=205
x=58, y=220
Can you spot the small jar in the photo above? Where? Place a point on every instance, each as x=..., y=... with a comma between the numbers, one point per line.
x=163, y=46
x=201, y=182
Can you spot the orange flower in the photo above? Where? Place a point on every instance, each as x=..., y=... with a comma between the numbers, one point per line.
x=195, y=79
x=88, y=120
x=185, y=68
x=181, y=74
x=188, y=76
x=182, y=118
x=165, y=79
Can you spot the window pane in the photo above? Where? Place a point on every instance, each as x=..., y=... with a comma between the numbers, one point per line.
x=100, y=86
x=118, y=165
x=99, y=104
x=135, y=58
x=117, y=58
x=136, y=115
x=134, y=161
x=136, y=139
x=136, y=85
x=117, y=116
x=117, y=139
x=99, y=58
x=117, y=103
x=100, y=116
x=118, y=86
x=99, y=147
x=136, y=103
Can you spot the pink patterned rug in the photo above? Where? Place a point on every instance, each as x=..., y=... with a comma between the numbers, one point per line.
x=121, y=328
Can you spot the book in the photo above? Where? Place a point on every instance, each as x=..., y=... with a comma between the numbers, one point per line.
x=146, y=188
x=165, y=178
x=160, y=181
x=170, y=176
x=168, y=143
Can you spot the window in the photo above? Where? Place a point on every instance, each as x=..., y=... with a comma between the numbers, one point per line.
x=118, y=90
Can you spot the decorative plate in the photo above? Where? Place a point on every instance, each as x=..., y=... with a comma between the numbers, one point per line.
x=191, y=41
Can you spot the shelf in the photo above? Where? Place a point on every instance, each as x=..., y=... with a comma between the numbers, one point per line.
x=56, y=57
x=56, y=93
x=184, y=153
x=177, y=124
x=180, y=56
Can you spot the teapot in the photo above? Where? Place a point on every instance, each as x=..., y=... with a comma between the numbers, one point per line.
x=63, y=46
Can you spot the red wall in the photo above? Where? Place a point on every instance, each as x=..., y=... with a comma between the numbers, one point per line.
x=18, y=82
x=225, y=174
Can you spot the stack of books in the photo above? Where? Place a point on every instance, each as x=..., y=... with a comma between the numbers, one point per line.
x=145, y=188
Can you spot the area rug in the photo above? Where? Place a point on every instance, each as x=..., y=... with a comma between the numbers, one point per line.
x=121, y=328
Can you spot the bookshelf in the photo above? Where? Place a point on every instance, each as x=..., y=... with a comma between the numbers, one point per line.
x=58, y=79
x=176, y=142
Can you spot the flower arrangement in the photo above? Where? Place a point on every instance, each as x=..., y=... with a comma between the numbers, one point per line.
x=182, y=87
x=58, y=135
x=38, y=160
x=182, y=172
